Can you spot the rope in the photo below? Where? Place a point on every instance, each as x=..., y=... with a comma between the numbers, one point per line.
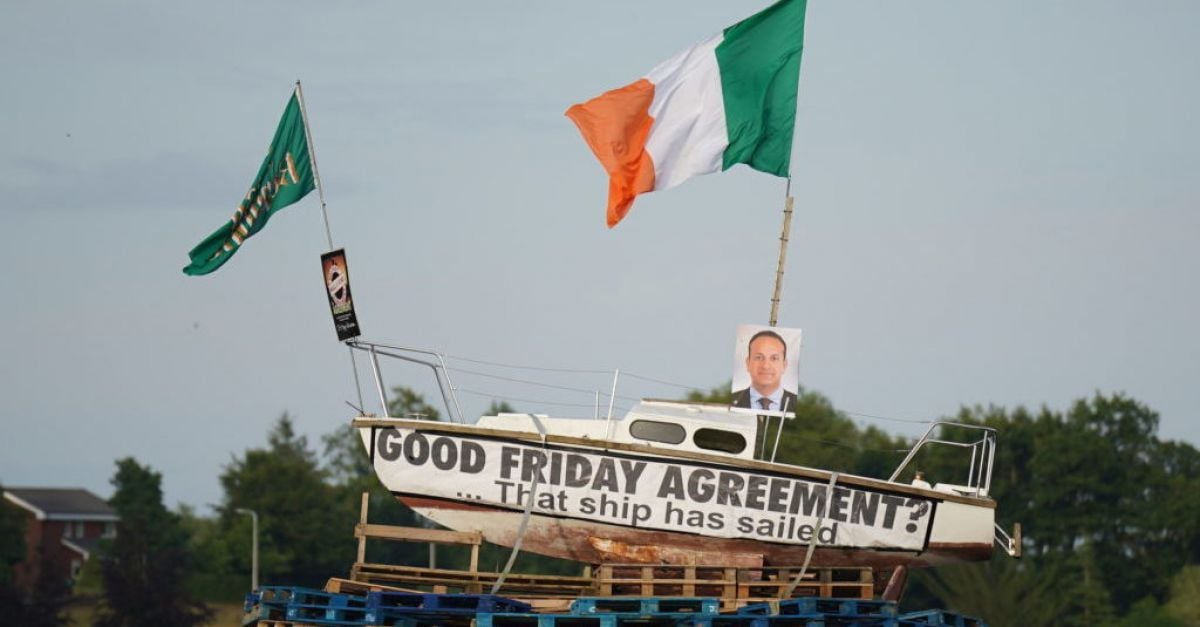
x=787, y=594
x=533, y=486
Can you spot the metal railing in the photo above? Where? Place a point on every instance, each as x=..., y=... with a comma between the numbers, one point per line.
x=1010, y=543
x=983, y=455
x=437, y=362
x=403, y=353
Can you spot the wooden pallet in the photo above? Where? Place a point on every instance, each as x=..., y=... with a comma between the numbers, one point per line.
x=734, y=586
x=442, y=581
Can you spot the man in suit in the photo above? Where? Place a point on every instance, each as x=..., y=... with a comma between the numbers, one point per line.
x=766, y=362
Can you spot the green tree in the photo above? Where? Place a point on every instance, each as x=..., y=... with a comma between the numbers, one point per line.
x=1184, y=602
x=145, y=568
x=407, y=403
x=1093, y=478
x=499, y=407
x=721, y=394
x=12, y=539
x=349, y=468
x=16, y=604
x=303, y=540
x=214, y=574
x=1148, y=613
x=1003, y=592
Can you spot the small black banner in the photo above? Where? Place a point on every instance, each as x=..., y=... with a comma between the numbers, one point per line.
x=337, y=287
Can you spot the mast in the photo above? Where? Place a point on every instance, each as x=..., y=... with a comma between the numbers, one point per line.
x=784, y=235
x=312, y=154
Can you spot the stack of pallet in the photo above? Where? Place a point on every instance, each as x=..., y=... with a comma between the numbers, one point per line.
x=282, y=606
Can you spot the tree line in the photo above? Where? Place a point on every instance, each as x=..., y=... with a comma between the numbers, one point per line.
x=1110, y=512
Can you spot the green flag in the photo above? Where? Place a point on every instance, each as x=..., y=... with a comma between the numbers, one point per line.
x=285, y=177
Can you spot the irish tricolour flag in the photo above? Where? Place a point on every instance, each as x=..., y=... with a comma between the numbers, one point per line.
x=728, y=100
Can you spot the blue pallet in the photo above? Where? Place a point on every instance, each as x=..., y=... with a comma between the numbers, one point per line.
x=574, y=620
x=411, y=609
x=667, y=620
x=453, y=603
x=287, y=594
x=820, y=607
x=256, y=608
x=750, y=620
x=942, y=618
x=646, y=606
x=326, y=608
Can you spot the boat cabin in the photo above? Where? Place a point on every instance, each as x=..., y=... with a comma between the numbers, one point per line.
x=692, y=427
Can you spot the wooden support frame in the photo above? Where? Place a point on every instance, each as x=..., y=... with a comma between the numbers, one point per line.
x=735, y=586
x=364, y=531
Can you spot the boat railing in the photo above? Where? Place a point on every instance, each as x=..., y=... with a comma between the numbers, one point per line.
x=434, y=360
x=983, y=455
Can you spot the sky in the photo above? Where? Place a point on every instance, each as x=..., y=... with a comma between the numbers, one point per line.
x=996, y=203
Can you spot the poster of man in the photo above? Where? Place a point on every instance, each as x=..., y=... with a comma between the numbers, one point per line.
x=766, y=370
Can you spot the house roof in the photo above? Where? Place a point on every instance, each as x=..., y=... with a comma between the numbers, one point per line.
x=62, y=504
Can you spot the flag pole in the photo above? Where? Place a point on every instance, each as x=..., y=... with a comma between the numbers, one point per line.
x=312, y=154
x=784, y=235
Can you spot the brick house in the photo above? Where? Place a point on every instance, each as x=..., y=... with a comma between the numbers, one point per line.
x=63, y=529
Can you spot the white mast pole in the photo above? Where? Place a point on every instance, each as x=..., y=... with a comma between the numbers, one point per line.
x=312, y=156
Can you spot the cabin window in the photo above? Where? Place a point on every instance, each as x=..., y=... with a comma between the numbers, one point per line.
x=720, y=440
x=654, y=431
x=110, y=530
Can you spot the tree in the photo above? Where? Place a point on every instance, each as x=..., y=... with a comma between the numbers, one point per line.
x=721, y=394
x=38, y=605
x=349, y=467
x=1107, y=508
x=12, y=539
x=499, y=407
x=145, y=568
x=1184, y=603
x=303, y=539
x=1093, y=479
x=407, y=403
x=1004, y=592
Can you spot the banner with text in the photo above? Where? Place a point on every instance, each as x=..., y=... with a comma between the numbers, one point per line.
x=647, y=492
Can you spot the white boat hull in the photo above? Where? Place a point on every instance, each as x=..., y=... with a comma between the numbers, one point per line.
x=598, y=502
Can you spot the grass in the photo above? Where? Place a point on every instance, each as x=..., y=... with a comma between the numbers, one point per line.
x=224, y=614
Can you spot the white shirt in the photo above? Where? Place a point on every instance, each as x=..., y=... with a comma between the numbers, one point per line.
x=776, y=399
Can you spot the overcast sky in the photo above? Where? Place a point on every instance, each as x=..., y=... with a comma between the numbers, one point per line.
x=996, y=203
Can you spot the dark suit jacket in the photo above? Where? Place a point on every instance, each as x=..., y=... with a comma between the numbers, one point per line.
x=741, y=398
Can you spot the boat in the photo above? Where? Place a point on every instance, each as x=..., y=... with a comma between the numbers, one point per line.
x=675, y=483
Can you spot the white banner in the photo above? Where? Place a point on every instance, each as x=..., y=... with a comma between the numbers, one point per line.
x=647, y=492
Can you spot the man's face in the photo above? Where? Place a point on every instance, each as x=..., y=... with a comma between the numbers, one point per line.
x=766, y=363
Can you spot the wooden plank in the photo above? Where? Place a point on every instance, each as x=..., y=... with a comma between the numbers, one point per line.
x=541, y=585
x=338, y=585
x=416, y=534
x=362, y=520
